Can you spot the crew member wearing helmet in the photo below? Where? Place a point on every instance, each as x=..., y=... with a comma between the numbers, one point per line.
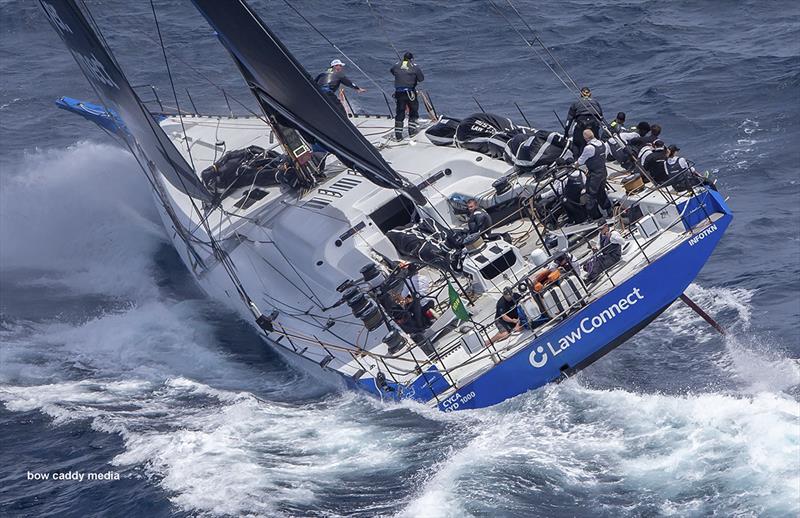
x=585, y=113
x=330, y=80
x=407, y=75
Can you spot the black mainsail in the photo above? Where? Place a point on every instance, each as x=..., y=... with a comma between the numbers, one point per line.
x=284, y=88
x=144, y=136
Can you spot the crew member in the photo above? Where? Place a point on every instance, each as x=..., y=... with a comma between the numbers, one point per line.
x=619, y=152
x=584, y=113
x=633, y=139
x=682, y=175
x=330, y=80
x=506, y=316
x=616, y=126
x=608, y=252
x=628, y=147
x=563, y=261
x=648, y=148
x=675, y=163
x=655, y=163
x=570, y=189
x=594, y=157
x=479, y=221
x=637, y=143
x=640, y=130
x=420, y=285
x=407, y=75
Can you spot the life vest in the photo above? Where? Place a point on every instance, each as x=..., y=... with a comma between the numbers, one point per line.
x=545, y=277
x=680, y=174
x=609, y=249
x=597, y=163
x=655, y=165
x=573, y=187
x=674, y=166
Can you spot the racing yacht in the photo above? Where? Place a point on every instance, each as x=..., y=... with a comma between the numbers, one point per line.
x=345, y=248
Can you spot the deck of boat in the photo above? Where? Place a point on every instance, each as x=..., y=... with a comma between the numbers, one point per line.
x=210, y=137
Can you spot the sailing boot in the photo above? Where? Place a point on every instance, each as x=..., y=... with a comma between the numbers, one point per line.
x=412, y=127
x=398, y=130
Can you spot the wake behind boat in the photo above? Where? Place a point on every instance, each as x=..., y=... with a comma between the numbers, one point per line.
x=347, y=247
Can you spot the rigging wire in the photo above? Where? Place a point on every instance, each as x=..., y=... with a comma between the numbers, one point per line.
x=665, y=193
x=310, y=289
x=374, y=152
x=218, y=252
x=222, y=256
x=572, y=89
x=225, y=259
x=385, y=33
x=343, y=118
x=179, y=228
x=541, y=43
x=297, y=313
x=529, y=44
x=172, y=85
x=183, y=128
x=204, y=77
x=332, y=44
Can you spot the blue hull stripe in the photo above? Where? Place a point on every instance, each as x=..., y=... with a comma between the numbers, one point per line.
x=587, y=335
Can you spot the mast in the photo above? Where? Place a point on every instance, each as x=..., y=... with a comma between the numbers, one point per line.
x=284, y=89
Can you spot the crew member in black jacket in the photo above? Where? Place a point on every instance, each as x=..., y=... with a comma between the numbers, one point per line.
x=407, y=75
x=585, y=113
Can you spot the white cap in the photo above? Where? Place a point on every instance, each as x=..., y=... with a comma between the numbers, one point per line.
x=337, y=62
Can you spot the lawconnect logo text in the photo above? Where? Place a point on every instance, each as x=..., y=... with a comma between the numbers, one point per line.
x=587, y=325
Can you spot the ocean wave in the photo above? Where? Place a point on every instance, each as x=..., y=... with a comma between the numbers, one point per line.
x=618, y=453
x=84, y=216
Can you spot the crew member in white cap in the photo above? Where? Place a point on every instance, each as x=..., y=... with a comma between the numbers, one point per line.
x=333, y=77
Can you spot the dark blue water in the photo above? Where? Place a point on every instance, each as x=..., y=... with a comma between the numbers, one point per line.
x=113, y=360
